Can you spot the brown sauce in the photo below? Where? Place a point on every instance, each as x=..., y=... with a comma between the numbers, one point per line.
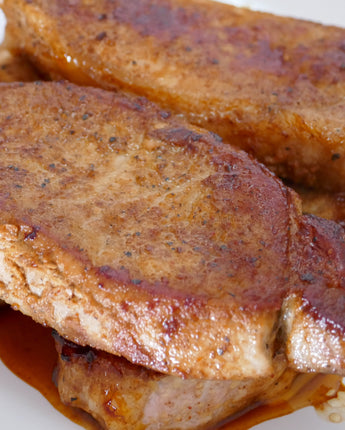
x=34, y=342
x=28, y=350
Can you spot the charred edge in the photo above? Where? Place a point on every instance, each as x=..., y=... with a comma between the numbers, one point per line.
x=70, y=350
x=33, y=234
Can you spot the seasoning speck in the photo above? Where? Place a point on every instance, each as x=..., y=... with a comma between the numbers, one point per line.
x=101, y=36
x=136, y=281
x=307, y=277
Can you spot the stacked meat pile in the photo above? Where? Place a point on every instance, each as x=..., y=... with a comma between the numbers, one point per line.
x=182, y=278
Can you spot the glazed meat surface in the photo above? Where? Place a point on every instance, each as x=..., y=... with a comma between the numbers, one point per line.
x=133, y=232
x=124, y=396
x=273, y=86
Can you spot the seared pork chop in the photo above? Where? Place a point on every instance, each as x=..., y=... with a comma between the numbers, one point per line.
x=273, y=86
x=124, y=396
x=121, y=395
x=146, y=237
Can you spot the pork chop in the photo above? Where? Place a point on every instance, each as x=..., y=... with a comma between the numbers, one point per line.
x=146, y=237
x=273, y=86
x=123, y=396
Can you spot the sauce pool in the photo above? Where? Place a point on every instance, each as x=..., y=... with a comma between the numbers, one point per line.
x=28, y=350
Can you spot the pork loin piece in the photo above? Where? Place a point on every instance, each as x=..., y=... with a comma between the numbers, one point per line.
x=123, y=396
x=146, y=237
x=273, y=86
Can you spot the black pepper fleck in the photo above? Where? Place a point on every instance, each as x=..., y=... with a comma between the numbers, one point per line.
x=90, y=356
x=101, y=36
x=65, y=357
x=164, y=114
x=136, y=281
x=307, y=277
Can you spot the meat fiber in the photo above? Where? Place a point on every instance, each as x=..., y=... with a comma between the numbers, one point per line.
x=273, y=86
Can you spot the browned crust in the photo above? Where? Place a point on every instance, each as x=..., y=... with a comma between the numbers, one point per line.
x=273, y=86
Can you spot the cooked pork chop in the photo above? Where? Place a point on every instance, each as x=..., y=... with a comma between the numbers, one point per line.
x=273, y=86
x=146, y=237
x=123, y=396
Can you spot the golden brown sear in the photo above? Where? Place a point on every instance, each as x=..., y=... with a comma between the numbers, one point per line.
x=273, y=86
x=146, y=237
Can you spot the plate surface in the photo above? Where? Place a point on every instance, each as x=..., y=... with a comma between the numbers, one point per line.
x=23, y=408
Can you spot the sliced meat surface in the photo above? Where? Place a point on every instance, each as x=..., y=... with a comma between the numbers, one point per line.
x=273, y=86
x=146, y=237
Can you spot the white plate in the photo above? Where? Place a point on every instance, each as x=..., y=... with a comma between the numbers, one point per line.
x=23, y=408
